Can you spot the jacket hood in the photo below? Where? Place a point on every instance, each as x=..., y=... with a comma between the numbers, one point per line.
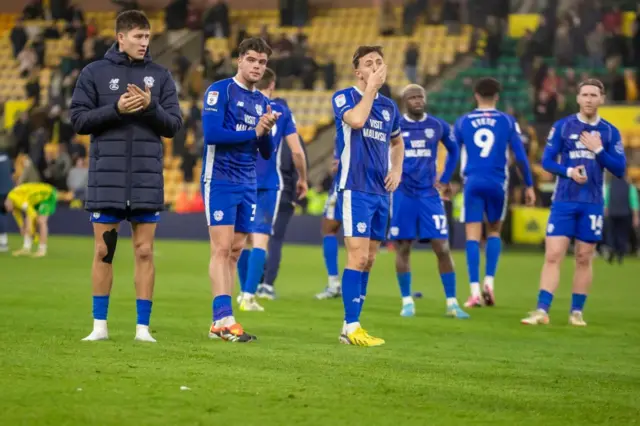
x=118, y=57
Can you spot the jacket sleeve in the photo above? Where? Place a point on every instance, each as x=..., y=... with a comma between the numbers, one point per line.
x=86, y=117
x=164, y=114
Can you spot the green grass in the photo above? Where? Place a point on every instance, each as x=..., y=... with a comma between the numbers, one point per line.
x=433, y=370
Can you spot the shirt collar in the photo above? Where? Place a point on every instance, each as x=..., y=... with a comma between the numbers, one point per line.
x=236, y=81
x=362, y=94
x=594, y=123
x=411, y=120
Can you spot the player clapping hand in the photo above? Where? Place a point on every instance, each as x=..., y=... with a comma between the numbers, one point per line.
x=267, y=121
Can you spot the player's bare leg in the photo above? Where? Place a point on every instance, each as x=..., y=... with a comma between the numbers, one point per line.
x=248, y=300
x=447, y=274
x=555, y=251
x=144, y=276
x=582, y=279
x=492, y=257
x=358, y=259
x=474, y=235
x=224, y=324
x=330, y=229
x=28, y=231
x=43, y=227
x=371, y=258
x=403, y=272
x=105, y=241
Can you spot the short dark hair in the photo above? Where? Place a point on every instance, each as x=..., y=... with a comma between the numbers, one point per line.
x=267, y=78
x=364, y=51
x=592, y=82
x=487, y=87
x=257, y=44
x=130, y=20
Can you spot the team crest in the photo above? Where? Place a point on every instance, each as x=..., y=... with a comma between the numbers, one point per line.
x=362, y=227
x=212, y=98
x=259, y=109
x=218, y=215
x=386, y=115
x=429, y=133
x=148, y=81
x=113, y=84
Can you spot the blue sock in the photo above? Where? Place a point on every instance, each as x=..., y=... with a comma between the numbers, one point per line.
x=243, y=261
x=577, y=302
x=100, y=307
x=544, y=300
x=143, y=307
x=494, y=245
x=351, y=292
x=255, y=269
x=221, y=307
x=449, y=284
x=363, y=289
x=473, y=261
x=330, y=252
x=404, y=281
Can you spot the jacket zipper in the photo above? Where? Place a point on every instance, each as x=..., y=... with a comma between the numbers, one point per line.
x=129, y=147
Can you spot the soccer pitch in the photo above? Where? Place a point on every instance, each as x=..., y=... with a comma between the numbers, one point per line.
x=433, y=370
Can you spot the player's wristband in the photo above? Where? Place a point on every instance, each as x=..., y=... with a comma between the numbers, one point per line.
x=599, y=150
x=569, y=171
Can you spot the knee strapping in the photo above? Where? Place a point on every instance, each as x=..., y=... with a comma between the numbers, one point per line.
x=110, y=240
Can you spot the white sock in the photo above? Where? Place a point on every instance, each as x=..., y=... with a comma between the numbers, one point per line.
x=267, y=287
x=344, y=327
x=488, y=281
x=4, y=239
x=247, y=296
x=28, y=242
x=141, y=327
x=475, y=289
x=451, y=301
x=352, y=327
x=42, y=247
x=407, y=300
x=334, y=281
x=225, y=322
x=99, y=325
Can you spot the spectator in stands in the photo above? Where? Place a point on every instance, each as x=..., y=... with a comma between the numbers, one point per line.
x=552, y=83
x=563, y=49
x=88, y=51
x=78, y=178
x=216, y=20
x=51, y=32
x=543, y=37
x=27, y=60
x=20, y=133
x=612, y=19
x=570, y=80
x=283, y=45
x=494, y=42
x=39, y=47
x=181, y=65
x=616, y=83
x=175, y=14
x=224, y=68
x=623, y=213
x=92, y=28
x=388, y=22
x=545, y=108
x=410, y=15
x=32, y=88
x=69, y=62
x=33, y=10
x=596, y=45
x=58, y=166
x=328, y=68
x=631, y=85
x=635, y=40
x=411, y=59
x=74, y=13
x=616, y=48
x=80, y=35
x=68, y=84
x=265, y=35
x=58, y=9
x=525, y=53
x=18, y=38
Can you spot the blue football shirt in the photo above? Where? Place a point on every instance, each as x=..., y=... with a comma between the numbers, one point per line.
x=364, y=153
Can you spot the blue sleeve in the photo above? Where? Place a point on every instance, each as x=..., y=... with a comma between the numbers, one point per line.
x=164, y=114
x=449, y=141
x=521, y=154
x=341, y=104
x=290, y=127
x=612, y=156
x=395, y=128
x=551, y=151
x=86, y=117
x=215, y=106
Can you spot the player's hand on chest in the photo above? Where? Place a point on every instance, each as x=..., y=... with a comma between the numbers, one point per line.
x=111, y=85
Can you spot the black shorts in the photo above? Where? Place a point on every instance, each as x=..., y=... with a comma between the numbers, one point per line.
x=3, y=198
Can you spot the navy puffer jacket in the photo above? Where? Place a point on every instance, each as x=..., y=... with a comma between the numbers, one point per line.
x=126, y=155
